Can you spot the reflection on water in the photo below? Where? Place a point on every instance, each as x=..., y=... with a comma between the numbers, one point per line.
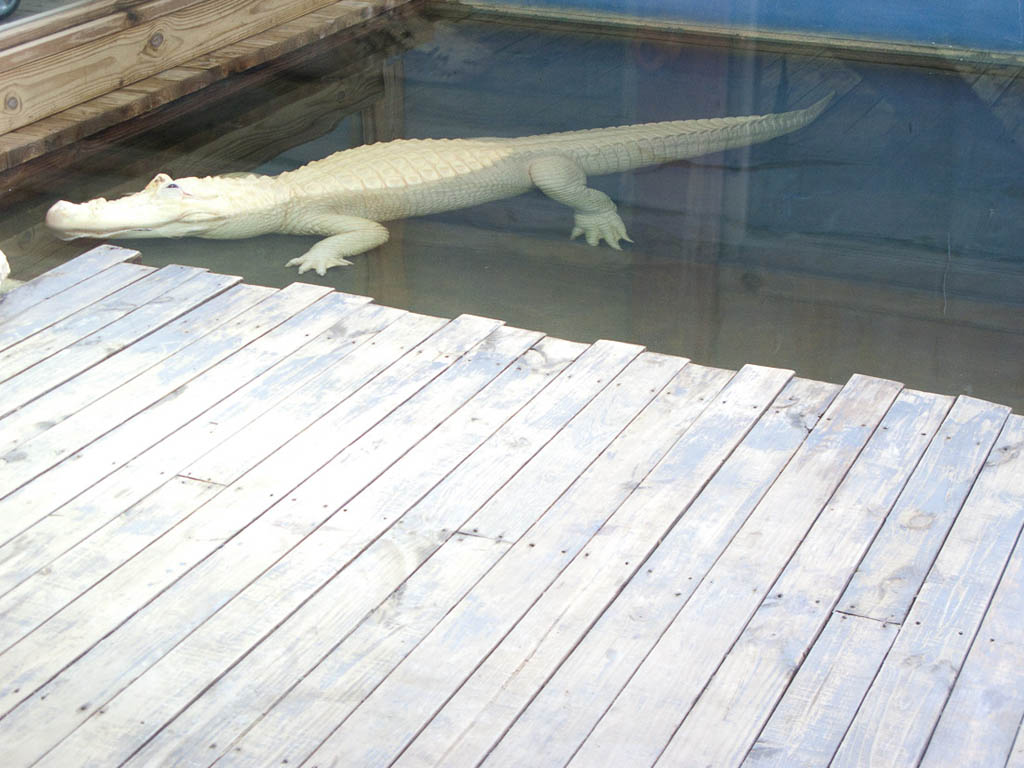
x=882, y=239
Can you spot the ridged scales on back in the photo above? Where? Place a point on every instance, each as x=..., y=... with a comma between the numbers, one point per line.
x=345, y=196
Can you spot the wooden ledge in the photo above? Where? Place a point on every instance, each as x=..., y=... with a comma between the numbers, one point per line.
x=95, y=114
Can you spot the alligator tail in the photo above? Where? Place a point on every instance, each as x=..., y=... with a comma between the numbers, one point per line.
x=613, y=150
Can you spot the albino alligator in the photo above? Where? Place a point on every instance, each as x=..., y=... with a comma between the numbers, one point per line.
x=346, y=195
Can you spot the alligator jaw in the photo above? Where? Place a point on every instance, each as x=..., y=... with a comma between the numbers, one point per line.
x=66, y=220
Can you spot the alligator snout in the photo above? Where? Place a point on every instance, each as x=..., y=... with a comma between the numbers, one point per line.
x=68, y=220
x=59, y=214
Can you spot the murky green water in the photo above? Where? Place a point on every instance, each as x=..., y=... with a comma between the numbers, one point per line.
x=882, y=239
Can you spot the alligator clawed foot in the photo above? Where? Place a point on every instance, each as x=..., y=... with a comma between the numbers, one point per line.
x=320, y=262
x=595, y=227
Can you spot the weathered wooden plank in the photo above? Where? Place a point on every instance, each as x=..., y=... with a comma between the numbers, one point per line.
x=124, y=653
x=565, y=710
x=82, y=355
x=53, y=83
x=725, y=721
x=87, y=321
x=66, y=400
x=237, y=376
x=887, y=581
x=903, y=705
x=249, y=689
x=980, y=720
x=67, y=303
x=23, y=609
x=418, y=686
x=1016, y=759
x=111, y=497
x=56, y=30
x=153, y=404
x=647, y=711
x=471, y=722
x=517, y=506
x=335, y=687
x=374, y=645
x=234, y=456
x=63, y=277
x=819, y=704
x=225, y=637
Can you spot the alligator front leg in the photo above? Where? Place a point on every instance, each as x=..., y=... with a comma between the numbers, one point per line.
x=349, y=236
x=561, y=179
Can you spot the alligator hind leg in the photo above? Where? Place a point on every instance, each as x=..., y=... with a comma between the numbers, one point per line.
x=595, y=217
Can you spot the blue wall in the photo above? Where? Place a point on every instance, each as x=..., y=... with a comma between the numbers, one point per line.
x=984, y=24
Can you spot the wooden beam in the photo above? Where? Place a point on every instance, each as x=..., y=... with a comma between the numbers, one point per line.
x=50, y=84
x=337, y=32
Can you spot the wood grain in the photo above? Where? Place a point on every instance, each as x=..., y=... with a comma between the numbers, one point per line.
x=50, y=84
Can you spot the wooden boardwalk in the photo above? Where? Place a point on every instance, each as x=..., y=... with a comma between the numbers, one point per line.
x=243, y=526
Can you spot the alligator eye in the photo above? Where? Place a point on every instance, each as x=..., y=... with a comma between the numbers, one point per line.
x=172, y=189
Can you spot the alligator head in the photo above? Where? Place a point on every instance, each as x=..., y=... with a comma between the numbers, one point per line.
x=166, y=207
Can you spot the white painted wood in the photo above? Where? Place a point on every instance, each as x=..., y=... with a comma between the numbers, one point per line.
x=152, y=631
x=50, y=340
x=980, y=720
x=281, y=661
x=475, y=718
x=75, y=299
x=202, y=657
x=229, y=460
x=569, y=454
x=415, y=690
x=903, y=705
x=103, y=502
x=1016, y=759
x=564, y=711
x=727, y=718
x=102, y=609
x=810, y=720
x=62, y=278
x=904, y=702
x=78, y=357
x=38, y=598
x=887, y=581
x=66, y=400
x=122, y=424
x=373, y=647
x=645, y=714
x=322, y=695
